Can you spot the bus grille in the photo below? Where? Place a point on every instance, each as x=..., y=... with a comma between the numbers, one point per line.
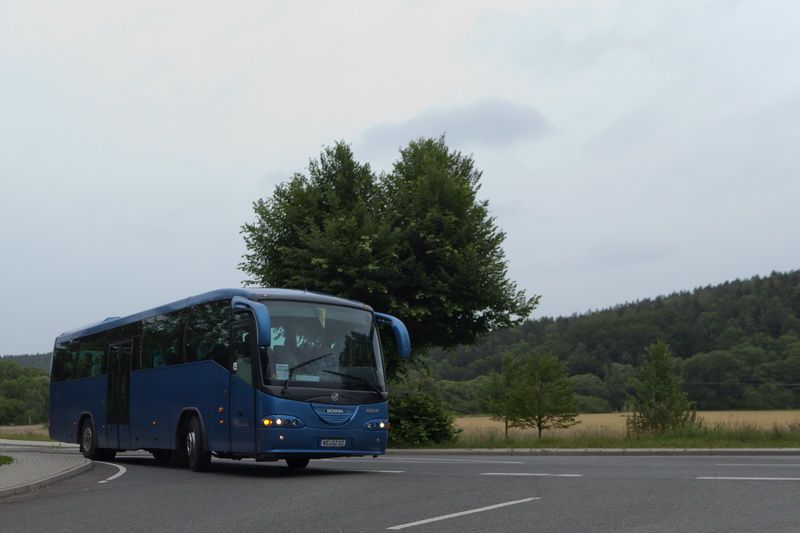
x=334, y=414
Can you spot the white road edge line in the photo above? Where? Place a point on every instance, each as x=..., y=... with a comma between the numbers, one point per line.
x=731, y=478
x=462, y=513
x=757, y=464
x=536, y=474
x=122, y=470
x=381, y=471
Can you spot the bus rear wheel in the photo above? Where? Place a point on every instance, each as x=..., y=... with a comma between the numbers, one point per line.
x=88, y=444
x=88, y=440
x=199, y=457
x=297, y=462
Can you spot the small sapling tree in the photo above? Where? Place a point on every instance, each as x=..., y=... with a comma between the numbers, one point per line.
x=658, y=403
x=542, y=396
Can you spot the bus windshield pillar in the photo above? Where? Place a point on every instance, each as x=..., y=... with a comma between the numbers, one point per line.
x=261, y=315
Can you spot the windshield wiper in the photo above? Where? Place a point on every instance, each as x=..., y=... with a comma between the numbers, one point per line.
x=304, y=363
x=369, y=384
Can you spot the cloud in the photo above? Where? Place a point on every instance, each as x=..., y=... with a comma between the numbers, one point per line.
x=487, y=123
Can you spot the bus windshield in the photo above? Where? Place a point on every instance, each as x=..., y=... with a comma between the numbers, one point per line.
x=322, y=346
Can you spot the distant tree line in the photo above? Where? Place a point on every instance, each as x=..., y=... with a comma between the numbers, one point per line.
x=737, y=346
x=35, y=360
x=23, y=393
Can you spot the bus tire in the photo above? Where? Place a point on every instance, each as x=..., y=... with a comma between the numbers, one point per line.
x=199, y=457
x=88, y=440
x=297, y=462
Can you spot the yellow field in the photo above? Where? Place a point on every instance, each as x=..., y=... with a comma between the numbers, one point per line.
x=35, y=429
x=614, y=423
x=604, y=423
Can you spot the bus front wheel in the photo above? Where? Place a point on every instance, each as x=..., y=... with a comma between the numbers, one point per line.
x=199, y=457
x=297, y=462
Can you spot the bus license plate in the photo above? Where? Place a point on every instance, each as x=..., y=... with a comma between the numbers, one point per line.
x=332, y=443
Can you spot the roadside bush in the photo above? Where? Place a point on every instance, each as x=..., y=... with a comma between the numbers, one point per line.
x=419, y=419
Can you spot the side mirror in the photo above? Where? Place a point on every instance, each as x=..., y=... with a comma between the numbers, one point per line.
x=400, y=331
x=259, y=310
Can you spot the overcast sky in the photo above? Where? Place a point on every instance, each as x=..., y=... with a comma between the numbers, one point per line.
x=629, y=149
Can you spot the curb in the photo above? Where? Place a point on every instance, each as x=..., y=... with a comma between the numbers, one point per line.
x=600, y=452
x=33, y=485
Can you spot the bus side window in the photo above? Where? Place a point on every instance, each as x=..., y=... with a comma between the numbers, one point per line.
x=84, y=367
x=162, y=337
x=64, y=361
x=97, y=364
x=207, y=331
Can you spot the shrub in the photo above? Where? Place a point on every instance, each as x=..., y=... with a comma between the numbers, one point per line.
x=419, y=419
x=658, y=404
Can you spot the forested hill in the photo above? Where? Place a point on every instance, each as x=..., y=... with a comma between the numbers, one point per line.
x=37, y=360
x=739, y=342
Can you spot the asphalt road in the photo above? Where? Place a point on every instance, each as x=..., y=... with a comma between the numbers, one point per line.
x=422, y=493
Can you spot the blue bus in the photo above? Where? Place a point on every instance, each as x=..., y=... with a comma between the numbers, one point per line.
x=270, y=374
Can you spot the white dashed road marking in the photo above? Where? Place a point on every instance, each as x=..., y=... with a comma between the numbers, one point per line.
x=533, y=474
x=462, y=513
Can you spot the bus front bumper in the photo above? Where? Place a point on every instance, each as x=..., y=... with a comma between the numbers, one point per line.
x=319, y=442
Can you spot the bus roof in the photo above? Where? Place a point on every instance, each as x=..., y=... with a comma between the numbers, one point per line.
x=220, y=294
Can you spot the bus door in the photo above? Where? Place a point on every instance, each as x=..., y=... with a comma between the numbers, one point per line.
x=118, y=404
x=242, y=397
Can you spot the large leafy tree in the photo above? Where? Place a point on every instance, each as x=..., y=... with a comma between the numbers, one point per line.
x=453, y=285
x=325, y=232
x=417, y=242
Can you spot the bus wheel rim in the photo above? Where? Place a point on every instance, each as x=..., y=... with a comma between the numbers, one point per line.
x=87, y=437
x=190, y=442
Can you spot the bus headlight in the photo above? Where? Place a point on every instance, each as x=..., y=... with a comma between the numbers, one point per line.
x=282, y=421
x=379, y=424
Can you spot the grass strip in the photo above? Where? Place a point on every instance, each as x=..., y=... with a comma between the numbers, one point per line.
x=704, y=436
x=4, y=460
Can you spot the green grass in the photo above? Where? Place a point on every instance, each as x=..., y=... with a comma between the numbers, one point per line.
x=4, y=460
x=716, y=436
